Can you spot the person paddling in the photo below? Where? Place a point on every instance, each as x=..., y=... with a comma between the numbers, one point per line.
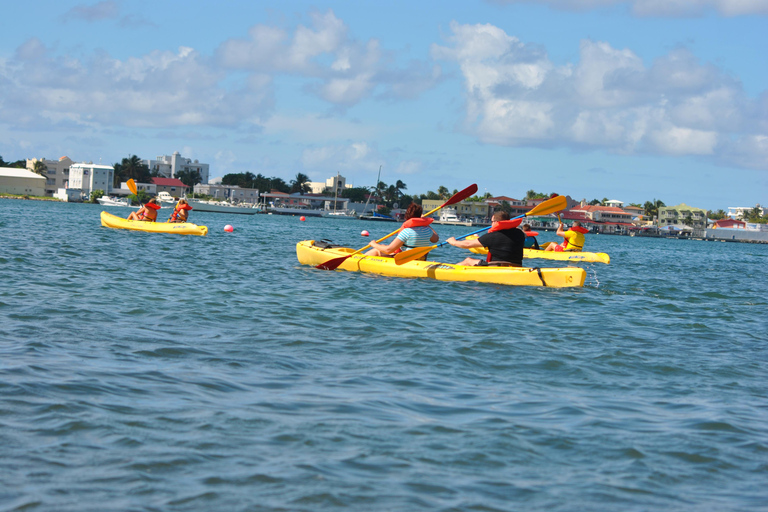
x=415, y=232
x=503, y=241
x=180, y=212
x=530, y=238
x=574, y=238
x=147, y=213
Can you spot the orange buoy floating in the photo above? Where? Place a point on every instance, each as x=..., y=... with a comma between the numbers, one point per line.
x=302, y=218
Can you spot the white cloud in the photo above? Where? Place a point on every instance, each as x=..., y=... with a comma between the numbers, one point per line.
x=160, y=89
x=347, y=71
x=609, y=99
x=660, y=8
x=314, y=129
x=351, y=158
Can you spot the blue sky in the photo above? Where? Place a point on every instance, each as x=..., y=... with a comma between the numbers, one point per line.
x=625, y=99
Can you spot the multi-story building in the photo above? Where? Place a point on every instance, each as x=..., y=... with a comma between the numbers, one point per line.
x=737, y=212
x=21, y=181
x=56, y=173
x=168, y=166
x=88, y=177
x=682, y=215
x=171, y=185
x=335, y=184
x=228, y=192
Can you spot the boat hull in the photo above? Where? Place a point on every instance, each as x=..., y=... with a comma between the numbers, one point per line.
x=309, y=254
x=202, y=206
x=180, y=228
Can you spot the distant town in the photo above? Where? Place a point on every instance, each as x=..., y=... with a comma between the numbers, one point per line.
x=175, y=176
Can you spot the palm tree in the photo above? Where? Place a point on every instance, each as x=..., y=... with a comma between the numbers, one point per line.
x=134, y=168
x=40, y=168
x=652, y=207
x=443, y=192
x=300, y=184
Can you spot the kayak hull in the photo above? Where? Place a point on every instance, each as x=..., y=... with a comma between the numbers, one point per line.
x=309, y=254
x=583, y=257
x=180, y=228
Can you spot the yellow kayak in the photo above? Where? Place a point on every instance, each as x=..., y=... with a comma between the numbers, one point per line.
x=585, y=257
x=310, y=254
x=181, y=228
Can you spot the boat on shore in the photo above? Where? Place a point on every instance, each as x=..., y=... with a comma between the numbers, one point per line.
x=115, y=201
x=379, y=217
x=448, y=217
x=180, y=228
x=309, y=253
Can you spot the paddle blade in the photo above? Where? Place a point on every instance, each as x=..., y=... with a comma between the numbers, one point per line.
x=333, y=264
x=461, y=195
x=132, y=186
x=412, y=254
x=555, y=204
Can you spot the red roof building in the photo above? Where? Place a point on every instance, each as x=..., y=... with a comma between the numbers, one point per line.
x=173, y=186
x=730, y=224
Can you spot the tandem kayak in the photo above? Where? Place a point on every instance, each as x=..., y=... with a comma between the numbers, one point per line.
x=181, y=228
x=584, y=257
x=310, y=254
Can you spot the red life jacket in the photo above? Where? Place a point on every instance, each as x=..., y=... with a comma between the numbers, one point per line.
x=506, y=224
x=417, y=222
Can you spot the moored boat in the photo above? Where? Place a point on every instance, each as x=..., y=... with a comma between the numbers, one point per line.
x=223, y=207
x=181, y=228
x=308, y=253
x=114, y=201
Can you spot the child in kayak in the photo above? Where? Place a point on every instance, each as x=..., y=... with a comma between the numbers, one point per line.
x=503, y=241
x=147, y=213
x=180, y=212
x=414, y=233
x=530, y=238
x=574, y=238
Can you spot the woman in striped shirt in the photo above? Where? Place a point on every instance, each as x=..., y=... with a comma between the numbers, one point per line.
x=415, y=232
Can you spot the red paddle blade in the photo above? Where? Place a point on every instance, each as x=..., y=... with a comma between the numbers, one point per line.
x=332, y=264
x=462, y=195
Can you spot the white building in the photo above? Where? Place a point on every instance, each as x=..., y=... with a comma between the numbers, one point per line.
x=57, y=173
x=228, y=192
x=168, y=166
x=21, y=181
x=337, y=182
x=736, y=212
x=89, y=177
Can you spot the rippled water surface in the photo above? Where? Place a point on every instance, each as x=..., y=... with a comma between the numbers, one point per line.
x=162, y=372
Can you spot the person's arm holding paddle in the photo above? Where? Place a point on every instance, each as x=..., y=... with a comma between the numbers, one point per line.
x=415, y=232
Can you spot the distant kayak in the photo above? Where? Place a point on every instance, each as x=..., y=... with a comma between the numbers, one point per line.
x=310, y=254
x=180, y=228
x=586, y=257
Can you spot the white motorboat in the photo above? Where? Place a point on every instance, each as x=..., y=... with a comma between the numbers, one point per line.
x=114, y=201
x=200, y=205
x=340, y=214
x=448, y=216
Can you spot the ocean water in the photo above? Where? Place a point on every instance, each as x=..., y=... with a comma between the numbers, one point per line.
x=162, y=372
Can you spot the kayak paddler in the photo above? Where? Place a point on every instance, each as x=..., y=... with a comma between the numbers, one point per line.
x=574, y=238
x=503, y=241
x=415, y=232
x=180, y=212
x=530, y=237
x=147, y=213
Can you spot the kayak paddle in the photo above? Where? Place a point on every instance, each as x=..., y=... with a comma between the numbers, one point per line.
x=554, y=204
x=455, y=198
x=132, y=187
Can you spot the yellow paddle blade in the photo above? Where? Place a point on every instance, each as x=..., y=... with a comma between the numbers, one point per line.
x=131, y=186
x=554, y=204
x=412, y=254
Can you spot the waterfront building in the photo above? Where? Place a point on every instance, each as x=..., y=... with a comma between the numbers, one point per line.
x=88, y=177
x=171, y=185
x=729, y=224
x=737, y=212
x=228, y=192
x=56, y=173
x=682, y=215
x=21, y=182
x=336, y=184
x=168, y=166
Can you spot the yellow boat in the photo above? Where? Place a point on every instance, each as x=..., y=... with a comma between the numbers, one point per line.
x=584, y=257
x=181, y=228
x=309, y=253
